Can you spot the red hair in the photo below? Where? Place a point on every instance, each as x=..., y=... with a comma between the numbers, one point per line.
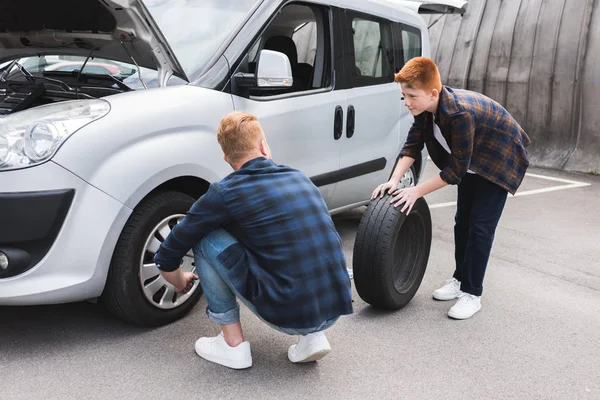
x=420, y=73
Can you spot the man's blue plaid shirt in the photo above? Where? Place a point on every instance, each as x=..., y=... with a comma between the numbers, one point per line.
x=289, y=261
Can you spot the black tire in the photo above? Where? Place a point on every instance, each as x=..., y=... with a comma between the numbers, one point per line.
x=391, y=252
x=123, y=295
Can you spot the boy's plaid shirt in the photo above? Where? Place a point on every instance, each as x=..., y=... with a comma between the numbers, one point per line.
x=289, y=260
x=482, y=137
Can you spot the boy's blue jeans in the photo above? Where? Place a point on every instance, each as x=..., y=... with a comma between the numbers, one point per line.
x=479, y=208
x=223, y=307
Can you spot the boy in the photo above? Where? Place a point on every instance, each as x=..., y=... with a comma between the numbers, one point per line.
x=478, y=146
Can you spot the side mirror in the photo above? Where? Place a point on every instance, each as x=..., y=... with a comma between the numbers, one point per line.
x=273, y=70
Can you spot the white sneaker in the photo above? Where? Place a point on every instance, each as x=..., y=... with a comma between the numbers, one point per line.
x=466, y=306
x=311, y=347
x=217, y=350
x=450, y=290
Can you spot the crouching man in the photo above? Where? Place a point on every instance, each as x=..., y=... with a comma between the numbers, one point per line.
x=262, y=235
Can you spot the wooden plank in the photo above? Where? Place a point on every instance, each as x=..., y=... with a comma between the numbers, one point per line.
x=435, y=34
x=587, y=155
x=500, y=50
x=464, y=45
x=560, y=136
x=476, y=80
x=446, y=44
x=521, y=60
x=539, y=97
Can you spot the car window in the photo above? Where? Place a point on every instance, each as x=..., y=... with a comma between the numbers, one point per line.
x=411, y=42
x=305, y=37
x=373, y=51
x=301, y=32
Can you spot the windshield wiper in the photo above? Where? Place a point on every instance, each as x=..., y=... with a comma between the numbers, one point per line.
x=87, y=75
x=24, y=71
x=31, y=78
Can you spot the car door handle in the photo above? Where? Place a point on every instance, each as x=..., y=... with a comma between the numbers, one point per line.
x=351, y=122
x=338, y=122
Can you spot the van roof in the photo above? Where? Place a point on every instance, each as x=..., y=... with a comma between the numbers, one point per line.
x=383, y=8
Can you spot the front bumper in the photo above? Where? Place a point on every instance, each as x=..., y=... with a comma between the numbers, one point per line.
x=30, y=223
x=59, y=233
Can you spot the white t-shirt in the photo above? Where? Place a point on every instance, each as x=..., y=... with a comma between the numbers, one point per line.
x=437, y=133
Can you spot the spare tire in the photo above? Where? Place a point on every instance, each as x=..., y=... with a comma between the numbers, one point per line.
x=391, y=251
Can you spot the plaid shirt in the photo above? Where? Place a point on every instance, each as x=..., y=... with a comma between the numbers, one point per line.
x=481, y=134
x=289, y=261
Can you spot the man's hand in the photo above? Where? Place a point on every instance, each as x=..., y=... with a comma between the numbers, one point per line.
x=408, y=196
x=181, y=281
x=389, y=186
x=187, y=283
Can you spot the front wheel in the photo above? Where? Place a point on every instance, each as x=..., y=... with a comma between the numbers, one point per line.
x=135, y=290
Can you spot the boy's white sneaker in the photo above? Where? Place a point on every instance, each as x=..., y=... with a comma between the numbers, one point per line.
x=311, y=347
x=466, y=306
x=217, y=350
x=450, y=290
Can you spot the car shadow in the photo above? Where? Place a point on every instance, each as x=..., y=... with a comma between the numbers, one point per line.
x=29, y=327
x=347, y=222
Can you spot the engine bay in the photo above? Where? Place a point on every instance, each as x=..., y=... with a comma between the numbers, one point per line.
x=24, y=87
x=17, y=95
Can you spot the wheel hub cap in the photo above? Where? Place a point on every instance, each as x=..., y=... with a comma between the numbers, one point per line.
x=156, y=289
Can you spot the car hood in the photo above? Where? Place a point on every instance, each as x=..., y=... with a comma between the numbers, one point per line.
x=113, y=29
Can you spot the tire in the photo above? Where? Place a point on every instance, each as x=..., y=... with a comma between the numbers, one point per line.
x=391, y=251
x=132, y=278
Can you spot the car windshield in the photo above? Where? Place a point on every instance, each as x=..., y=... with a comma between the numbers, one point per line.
x=195, y=29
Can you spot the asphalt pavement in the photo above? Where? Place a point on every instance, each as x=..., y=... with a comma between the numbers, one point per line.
x=536, y=337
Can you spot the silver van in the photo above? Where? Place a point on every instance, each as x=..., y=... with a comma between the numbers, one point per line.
x=108, y=114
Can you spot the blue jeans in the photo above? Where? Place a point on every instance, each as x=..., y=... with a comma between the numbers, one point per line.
x=223, y=307
x=479, y=207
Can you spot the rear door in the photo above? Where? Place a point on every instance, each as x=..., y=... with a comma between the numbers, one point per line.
x=377, y=120
x=370, y=143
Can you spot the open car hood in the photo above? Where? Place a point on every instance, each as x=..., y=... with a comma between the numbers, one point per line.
x=119, y=30
x=435, y=7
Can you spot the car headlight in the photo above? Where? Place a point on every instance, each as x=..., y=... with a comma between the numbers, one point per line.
x=31, y=137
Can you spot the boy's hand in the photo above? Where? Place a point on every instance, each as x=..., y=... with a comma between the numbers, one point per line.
x=408, y=196
x=389, y=186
